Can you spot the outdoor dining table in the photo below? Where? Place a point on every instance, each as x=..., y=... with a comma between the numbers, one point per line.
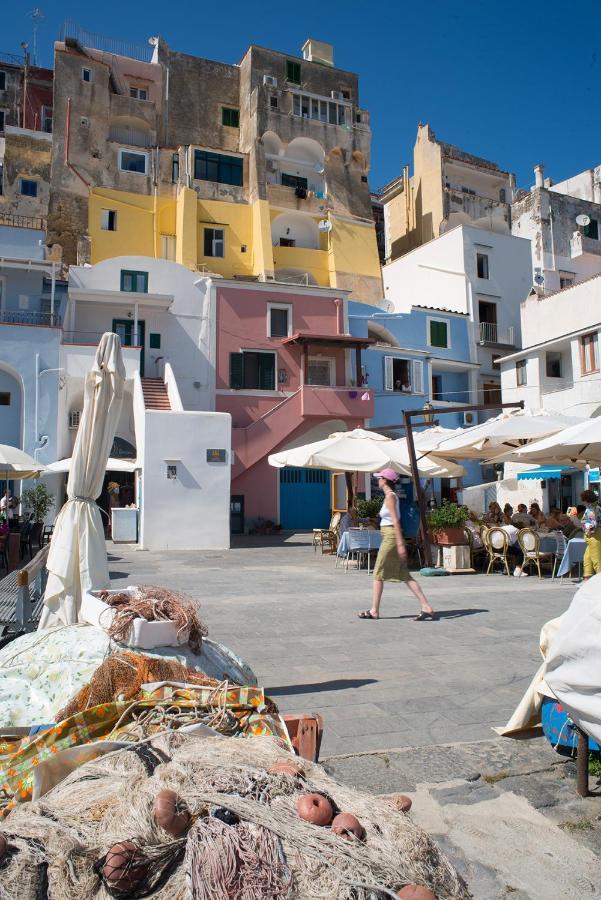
x=364, y=539
x=574, y=554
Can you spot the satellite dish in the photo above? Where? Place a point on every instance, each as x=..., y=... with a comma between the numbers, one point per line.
x=583, y=220
x=324, y=225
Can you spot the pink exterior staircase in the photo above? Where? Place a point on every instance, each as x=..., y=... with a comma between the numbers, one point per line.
x=155, y=393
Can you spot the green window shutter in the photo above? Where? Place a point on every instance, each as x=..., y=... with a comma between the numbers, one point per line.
x=293, y=71
x=230, y=117
x=438, y=334
x=237, y=371
x=154, y=341
x=267, y=371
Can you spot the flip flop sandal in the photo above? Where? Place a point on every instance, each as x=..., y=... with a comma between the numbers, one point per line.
x=367, y=615
x=424, y=617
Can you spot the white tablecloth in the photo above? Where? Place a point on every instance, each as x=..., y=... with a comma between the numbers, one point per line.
x=574, y=554
x=369, y=540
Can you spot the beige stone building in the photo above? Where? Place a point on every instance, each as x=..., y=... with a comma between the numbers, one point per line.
x=448, y=187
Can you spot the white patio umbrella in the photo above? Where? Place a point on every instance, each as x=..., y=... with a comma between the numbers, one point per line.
x=362, y=451
x=577, y=445
x=16, y=465
x=77, y=559
x=62, y=466
x=506, y=432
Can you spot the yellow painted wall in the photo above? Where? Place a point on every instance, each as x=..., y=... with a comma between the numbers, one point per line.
x=135, y=234
x=427, y=184
x=237, y=220
x=185, y=228
x=354, y=248
x=262, y=249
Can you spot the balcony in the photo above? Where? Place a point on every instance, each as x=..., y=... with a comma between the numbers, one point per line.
x=493, y=336
x=281, y=195
x=78, y=355
x=30, y=317
x=337, y=402
x=35, y=222
x=584, y=246
x=293, y=260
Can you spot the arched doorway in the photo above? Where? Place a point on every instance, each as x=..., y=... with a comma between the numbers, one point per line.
x=11, y=406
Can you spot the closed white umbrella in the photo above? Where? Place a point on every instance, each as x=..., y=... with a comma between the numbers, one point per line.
x=507, y=432
x=577, y=445
x=362, y=451
x=77, y=560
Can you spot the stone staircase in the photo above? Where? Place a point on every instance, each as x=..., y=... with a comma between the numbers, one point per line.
x=155, y=393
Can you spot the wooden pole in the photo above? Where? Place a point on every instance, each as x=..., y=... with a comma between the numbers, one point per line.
x=582, y=764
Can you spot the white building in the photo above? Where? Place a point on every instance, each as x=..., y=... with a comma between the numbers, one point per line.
x=174, y=450
x=467, y=270
x=563, y=223
x=558, y=368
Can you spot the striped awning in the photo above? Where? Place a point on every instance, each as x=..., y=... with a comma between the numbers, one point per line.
x=546, y=472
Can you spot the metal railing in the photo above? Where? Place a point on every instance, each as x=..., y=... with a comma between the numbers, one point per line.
x=117, y=46
x=36, y=222
x=490, y=333
x=29, y=317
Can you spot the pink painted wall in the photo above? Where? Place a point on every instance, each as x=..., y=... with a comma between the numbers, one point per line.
x=242, y=325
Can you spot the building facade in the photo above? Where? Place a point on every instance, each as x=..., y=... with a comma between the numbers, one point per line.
x=448, y=187
x=256, y=171
x=563, y=223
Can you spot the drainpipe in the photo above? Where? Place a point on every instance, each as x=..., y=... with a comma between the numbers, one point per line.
x=52, y=288
x=42, y=440
x=338, y=305
x=67, y=138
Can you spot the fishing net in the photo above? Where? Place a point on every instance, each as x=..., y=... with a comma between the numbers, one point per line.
x=155, y=604
x=66, y=837
x=121, y=676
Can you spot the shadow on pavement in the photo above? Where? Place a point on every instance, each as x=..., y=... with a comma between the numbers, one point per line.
x=444, y=614
x=338, y=684
x=114, y=574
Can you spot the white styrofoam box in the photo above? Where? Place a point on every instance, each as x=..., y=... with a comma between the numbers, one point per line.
x=143, y=634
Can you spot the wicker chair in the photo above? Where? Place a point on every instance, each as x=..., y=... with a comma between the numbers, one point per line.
x=497, y=544
x=327, y=537
x=529, y=542
x=475, y=552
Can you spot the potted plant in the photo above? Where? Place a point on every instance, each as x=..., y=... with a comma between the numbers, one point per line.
x=446, y=523
x=369, y=509
x=38, y=501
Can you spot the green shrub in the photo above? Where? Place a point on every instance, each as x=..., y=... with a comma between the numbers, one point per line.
x=449, y=515
x=38, y=500
x=368, y=509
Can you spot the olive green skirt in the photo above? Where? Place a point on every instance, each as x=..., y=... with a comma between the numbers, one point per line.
x=389, y=566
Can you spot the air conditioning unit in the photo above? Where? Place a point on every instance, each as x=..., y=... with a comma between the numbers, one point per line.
x=336, y=95
x=74, y=419
x=270, y=81
x=469, y=418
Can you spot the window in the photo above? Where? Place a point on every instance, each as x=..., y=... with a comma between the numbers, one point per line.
x=322, y=110
x=175, y=168
x=133, y=161
x=2, y=118
x=47, y=119
x=495, y=364
x=502, y=195
x=1, y=178
x=273, y=101
x=2, y=81
x=520, y=372
x=438, y=333
x=29, y=187
x=591, y=230
x=4, y=398
x=214, y=242
x=482, y=265
x=320, y=371
x=138, y=93
x=566, y=280
x=134, y=282
x=403, y=375
x=230, y=117
x=154, y=341
x=86, y=75
x=108, y=219
x=589, y=353
x=294, y=181
x=252, y=370
x=168, y=246
x=553, y=364
x=293, y=71
x=217, y=167
x=437, y=387
x=287, y=242
x=492, y=392
x=279, y=320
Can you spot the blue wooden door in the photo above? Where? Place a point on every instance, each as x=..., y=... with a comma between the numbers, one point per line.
x=304, y=498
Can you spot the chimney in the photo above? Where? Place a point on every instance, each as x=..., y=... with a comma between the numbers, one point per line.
x=539, y=176
x=318, y=52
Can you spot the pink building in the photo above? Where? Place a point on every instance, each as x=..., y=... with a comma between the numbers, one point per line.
x=285, y=370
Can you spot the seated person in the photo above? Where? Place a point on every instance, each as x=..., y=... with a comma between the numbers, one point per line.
x=507, y=514
x=494, y=516
x=537, y=514
x=522, y=518
x=474, y=529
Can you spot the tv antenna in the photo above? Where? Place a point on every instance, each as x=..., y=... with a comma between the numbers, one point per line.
x=36, y=15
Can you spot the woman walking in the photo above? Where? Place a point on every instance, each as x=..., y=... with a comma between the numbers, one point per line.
x=391, y=564
x=591, y=522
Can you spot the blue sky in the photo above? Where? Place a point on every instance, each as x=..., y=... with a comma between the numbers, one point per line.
x=517, y=83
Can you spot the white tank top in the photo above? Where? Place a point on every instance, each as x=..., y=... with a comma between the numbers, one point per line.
x=385, y=517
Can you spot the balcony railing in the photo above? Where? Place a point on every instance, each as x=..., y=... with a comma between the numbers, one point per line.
x=29, y=317
x=490, y=333
x=36, y=222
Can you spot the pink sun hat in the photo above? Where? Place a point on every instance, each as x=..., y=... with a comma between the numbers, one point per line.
x=388, y=474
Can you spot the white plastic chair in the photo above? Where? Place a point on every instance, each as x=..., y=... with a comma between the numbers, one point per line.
x=360, y=543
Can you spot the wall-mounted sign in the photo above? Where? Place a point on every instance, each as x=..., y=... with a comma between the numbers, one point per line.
x=215, y=456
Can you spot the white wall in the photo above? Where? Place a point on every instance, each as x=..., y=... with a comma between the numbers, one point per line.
x=431, y=275
x=191, y=512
